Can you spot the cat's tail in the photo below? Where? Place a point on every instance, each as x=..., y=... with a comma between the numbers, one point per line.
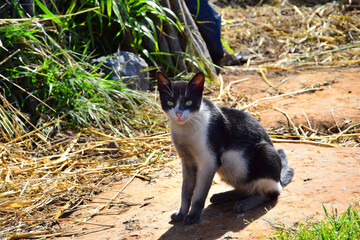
x=287, y=173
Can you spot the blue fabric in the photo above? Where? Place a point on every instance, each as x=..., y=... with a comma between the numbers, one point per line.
x=208, y=21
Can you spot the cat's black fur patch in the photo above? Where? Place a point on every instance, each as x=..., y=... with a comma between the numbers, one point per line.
x=231, y=129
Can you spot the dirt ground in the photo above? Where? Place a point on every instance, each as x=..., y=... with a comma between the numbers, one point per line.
x=323, y=176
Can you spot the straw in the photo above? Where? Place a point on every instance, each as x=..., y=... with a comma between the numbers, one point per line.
x=45, y=177
x=285, y=36
x=50, y=180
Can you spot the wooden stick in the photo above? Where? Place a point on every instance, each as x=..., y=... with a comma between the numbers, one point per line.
x=292, y=61
x=10, y=56
x=265, y=79
x=282, y=95
x=289, y=119
x=303, y=142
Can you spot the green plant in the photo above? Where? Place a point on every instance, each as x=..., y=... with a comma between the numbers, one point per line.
x=45, y=70
x=106, y=25
x=334, y=226
x=46, y=81
x=45, y=67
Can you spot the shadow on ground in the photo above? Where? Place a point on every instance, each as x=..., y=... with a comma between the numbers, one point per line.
x=216, y=221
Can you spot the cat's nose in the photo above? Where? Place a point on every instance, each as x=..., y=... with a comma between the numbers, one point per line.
x=179, y=115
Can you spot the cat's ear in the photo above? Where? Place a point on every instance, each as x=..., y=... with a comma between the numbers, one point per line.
x=163, y=81
x=197, y=81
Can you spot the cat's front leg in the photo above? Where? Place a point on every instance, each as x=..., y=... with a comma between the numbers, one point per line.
x=187, y=190
x=204, y=177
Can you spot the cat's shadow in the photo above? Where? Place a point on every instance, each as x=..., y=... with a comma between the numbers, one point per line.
x=217, y=220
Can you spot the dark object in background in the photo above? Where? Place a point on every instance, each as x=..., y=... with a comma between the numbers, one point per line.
x=238, y=58
x=127, y=68
x=208, y=21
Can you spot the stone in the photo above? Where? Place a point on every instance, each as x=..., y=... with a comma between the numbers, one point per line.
x=126, y=67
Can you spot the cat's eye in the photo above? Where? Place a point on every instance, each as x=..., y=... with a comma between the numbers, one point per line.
x=170, y=103
x=188, y=103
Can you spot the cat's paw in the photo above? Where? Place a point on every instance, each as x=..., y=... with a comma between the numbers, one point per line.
x=242, y=206
x=192, y=218
x=217, y=198
x=177, y=216
x=250, y=203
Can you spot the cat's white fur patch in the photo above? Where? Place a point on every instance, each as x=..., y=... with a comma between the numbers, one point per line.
x=190, y=140
x=233, y=169
x=261, y=186
x=264, y=186
x=194, y=130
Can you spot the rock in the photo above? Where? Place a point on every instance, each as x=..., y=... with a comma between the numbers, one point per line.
x=126, y=67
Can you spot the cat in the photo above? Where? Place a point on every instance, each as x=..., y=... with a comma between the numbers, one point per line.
x=209, y=139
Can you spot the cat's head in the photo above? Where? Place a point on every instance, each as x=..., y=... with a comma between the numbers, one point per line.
x=180, y=100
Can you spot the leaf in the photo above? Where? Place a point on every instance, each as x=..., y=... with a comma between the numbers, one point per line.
x=48, y=13
x=51, y=85
x=116, y=10
x=71, y=8
x=227, y=46
x=109, y=7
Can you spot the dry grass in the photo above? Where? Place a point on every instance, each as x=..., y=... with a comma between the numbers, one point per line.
x=45, y=178
x=285, y=36
x=348, y=137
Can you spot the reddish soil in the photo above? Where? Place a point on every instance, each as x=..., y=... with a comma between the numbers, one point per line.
x=336, y=102
x=323, y=176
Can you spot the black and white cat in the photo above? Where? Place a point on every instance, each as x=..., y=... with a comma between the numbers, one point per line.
x=228, y=141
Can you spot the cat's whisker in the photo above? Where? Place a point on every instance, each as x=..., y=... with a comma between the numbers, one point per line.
x=169, y=91
x=196, y=122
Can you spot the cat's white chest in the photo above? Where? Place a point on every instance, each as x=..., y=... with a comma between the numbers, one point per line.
x=191, y=140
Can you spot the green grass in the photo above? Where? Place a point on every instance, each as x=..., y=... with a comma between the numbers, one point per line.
x=333, y=226
x=46, y=81
x=45, y=70
x=105, y=26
